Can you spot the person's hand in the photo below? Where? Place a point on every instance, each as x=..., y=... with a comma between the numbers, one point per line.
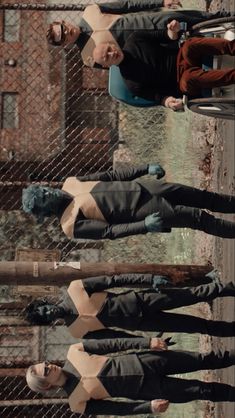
x=158, y=344
x=173, y=103
x=156, y=169
x=160, y=281
x=172, y=4
x=159, y=405
x=153, y=223
x=173, y=29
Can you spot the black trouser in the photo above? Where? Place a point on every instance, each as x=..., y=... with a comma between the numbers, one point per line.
x=157, y=365
x=181, y=207
x=172, y=322
x=175, y=297
x=152, y=303
x=160, y=19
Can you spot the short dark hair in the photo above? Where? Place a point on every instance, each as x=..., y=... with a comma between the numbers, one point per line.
x=32, y=197
x=32, y=316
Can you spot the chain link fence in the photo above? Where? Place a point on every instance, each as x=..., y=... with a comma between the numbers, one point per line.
x=57, y=120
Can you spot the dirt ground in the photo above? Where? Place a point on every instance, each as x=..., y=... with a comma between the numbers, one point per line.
x=222, y=255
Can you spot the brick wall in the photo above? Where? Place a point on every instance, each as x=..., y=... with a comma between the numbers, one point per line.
x=59, y=104
x=30, y=80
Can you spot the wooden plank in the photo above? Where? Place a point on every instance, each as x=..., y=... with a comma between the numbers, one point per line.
x=61, y=274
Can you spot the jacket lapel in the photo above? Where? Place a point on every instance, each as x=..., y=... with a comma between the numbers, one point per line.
x=89, y=367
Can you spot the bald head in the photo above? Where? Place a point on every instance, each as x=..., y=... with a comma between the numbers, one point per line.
x=107, y=54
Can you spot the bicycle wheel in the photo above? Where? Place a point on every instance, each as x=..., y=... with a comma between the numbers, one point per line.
x=214, y=22
x=216, y=107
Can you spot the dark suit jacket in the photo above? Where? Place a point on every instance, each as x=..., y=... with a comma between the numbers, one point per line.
x=126, y=24
x=119, y=198
x=93, y=379
x=133, y=21
x=120, y=310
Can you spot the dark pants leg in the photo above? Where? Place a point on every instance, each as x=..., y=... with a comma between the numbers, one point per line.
x=171, y=322
x=173, y=362
x=186, y=217
x=192, y=17
x=157, y=365
x=179, y=194
x=179, y=206
x=176, y=297
x=194, y=78
x=185, y=390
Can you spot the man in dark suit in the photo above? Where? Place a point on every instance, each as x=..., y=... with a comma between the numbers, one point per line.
x=115, y=21
x=112, y=205
x=91, y=310
x=91, y=378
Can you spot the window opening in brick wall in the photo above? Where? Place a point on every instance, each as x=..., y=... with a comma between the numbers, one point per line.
x=10, y=114
x=11, y=28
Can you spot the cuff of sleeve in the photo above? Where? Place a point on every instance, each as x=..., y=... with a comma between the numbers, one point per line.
x=140, y=227
x=148, y=408
x=166, y=230
x=146, y=342
x=142, y=343
x=144, y=168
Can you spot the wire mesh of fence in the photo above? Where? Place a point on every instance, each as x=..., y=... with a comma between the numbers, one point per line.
x=58, y=120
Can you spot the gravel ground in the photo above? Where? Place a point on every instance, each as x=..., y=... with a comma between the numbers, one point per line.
x=224, y=250
x=221, y=177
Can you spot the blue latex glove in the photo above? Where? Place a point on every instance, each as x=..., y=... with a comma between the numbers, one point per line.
x=156, y=170
x=160, y=281
x=153, y=223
